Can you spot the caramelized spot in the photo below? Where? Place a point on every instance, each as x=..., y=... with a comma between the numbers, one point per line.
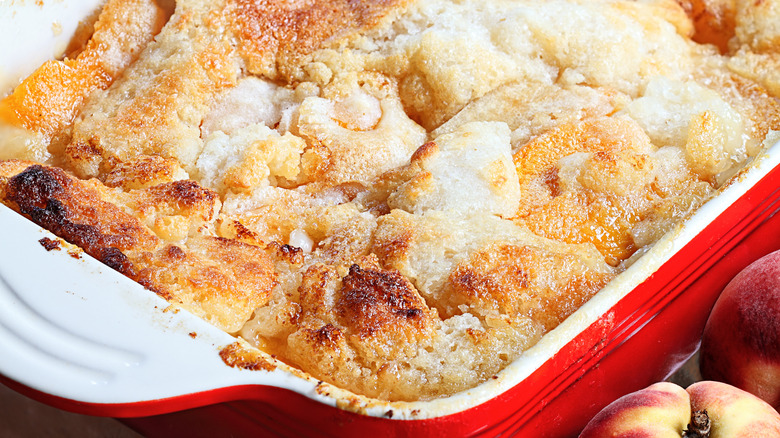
x=185, y=194
x=395, y=247
x=34, y=187
x=243, y=233
x=425, y=151
x=75, y=213
x=237, y=356
x=288, y=253
x=372, y=300
x=552, y=182
x=154, y=287
x=327, y=336
x=49, y=244
x=115, y=259
x=173, y=252
x=84, y=151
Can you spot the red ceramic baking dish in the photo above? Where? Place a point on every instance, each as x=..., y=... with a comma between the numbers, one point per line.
x=81, y=337
x=160, y=369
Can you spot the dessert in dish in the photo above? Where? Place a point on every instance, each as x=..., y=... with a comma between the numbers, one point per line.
x=395, y=197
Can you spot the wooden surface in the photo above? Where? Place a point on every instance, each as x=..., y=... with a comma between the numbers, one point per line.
x=21, y=417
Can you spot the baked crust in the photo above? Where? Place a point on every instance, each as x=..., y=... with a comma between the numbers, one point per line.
x=46, y=103
x=275, y=37
x=219, y=279
x=396, y=197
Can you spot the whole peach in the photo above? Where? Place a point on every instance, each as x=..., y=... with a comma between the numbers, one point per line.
x=665, y=410
x=734, y=413
x=660, y=410
x=741, y=340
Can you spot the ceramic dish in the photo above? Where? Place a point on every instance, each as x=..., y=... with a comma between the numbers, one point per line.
x=79, y=336
x=82, y=337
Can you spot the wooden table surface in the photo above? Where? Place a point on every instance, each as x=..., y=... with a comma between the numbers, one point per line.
x=21, y=417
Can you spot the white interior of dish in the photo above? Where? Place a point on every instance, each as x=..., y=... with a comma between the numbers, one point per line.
x=74, y=328
x=36, y=31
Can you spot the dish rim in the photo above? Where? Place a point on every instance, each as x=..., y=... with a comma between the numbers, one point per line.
x=26, y=323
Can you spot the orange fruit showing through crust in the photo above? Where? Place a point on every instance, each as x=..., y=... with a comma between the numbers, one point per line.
x=604, y=211
x=49, y=99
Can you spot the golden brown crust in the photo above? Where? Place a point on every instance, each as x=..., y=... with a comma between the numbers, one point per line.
x=219, y=279
x=157, y=106
x=380, y=304
x=275, y=35
x=520, y=280
x=184, y=196
x=143, y=171
x=56, y=202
